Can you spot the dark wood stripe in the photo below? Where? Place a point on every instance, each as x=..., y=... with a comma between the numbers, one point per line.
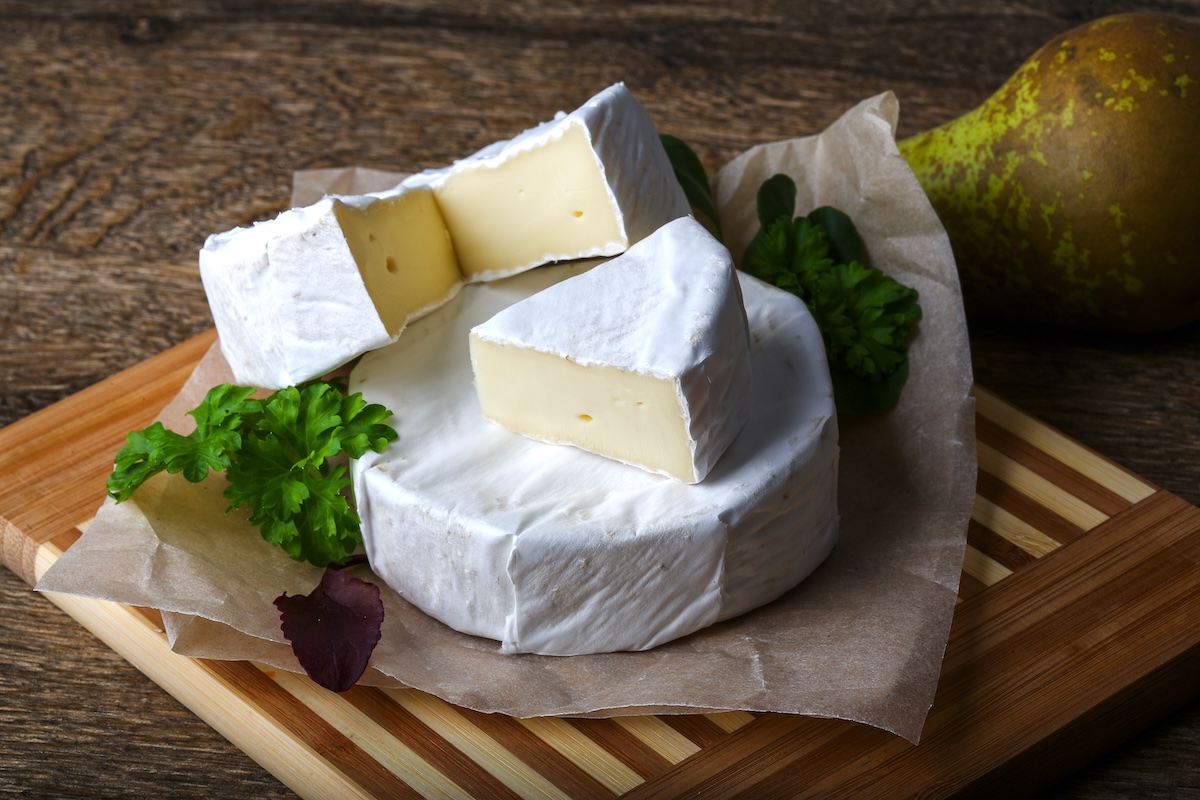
x=309, y=727
x=428, y=744
x=996, y=547
x=1026, y=509
x=64, y=540
x=739, y=762
x=628, y=749
x=696, y=727
x=969, y=586
x=535, y=752
x=1079, y=485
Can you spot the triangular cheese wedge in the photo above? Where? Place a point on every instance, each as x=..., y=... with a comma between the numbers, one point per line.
x=644, y=359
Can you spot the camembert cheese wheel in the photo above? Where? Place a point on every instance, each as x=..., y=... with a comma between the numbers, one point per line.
x=559, y=551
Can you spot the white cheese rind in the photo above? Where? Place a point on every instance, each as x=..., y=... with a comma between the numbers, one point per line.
x=287, y=298
x=286, y=295
x=558, y=551
x=669, y=308
x=643, y=193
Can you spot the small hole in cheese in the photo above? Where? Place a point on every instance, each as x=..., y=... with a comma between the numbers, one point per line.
x=390, y=263
x=585, y=417
x=577, y=214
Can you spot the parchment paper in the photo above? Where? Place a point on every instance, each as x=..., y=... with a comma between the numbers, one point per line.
x=862, y=639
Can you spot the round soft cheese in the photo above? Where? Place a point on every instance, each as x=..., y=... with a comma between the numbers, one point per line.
x=558, y=551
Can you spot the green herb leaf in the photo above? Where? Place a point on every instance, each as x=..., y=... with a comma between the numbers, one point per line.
x=844, y=242
x=776, y=199
x=690, y=173
x=866, y=318
x=363, y=428
x=280, y=458
x=155, y=449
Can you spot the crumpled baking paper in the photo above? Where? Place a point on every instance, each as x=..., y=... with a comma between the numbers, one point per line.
x=861, y=639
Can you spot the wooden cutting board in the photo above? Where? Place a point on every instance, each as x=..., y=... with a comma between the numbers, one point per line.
x=1078, y=623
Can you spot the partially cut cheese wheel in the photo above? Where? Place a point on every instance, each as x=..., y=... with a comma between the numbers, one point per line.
x=299, y=295
x=644, y=359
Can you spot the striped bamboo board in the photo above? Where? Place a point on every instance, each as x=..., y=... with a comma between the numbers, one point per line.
x=1076, y=625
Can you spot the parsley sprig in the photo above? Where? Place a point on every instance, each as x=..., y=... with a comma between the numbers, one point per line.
x=280, y=457
x=866, y=318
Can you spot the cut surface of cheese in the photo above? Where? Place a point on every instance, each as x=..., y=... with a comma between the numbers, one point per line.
x=559, y=551
x=304, y=293
x=588, y=183
x=644, y=359
x=403, y=252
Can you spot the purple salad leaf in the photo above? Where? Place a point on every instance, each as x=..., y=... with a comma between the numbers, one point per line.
x=334, y=629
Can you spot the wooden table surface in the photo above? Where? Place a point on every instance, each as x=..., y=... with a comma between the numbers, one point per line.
x=131, y=130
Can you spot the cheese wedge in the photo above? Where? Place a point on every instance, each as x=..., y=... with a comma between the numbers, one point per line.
x=308, y=291
x=302, y=294
x=588, y=183
x=644, y=359
x=557, y=551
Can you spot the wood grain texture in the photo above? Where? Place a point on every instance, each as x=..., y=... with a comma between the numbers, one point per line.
x=129, y=131
x=1048, y=663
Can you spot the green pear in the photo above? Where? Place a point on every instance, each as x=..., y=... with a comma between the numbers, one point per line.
x=1071, y=196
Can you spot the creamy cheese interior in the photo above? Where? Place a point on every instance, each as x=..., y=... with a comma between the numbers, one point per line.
x=632, y=417
x=546, y=203
x=404, y=254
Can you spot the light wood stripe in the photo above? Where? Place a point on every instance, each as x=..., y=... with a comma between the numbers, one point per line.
x=539, y=755
x=473, y=778
x=730, y=721
x=568, y=740
x=696, y=727
x=1058, y=473
x=983, y=568
x=371, y=738
x=305, y=726
x=1025, y=508
x=666, y=741
x=1012, y=528
x=477, y=745
x=1058, y=446
x=1038, y=488
x=626, y=747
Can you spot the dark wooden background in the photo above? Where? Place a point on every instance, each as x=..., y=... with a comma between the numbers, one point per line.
x=131, y=130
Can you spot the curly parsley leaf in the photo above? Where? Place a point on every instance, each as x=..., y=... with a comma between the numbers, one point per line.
x=866, y=318
x=280, y=457
x=155, y=449
x=362, y=426
x=690, y=173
